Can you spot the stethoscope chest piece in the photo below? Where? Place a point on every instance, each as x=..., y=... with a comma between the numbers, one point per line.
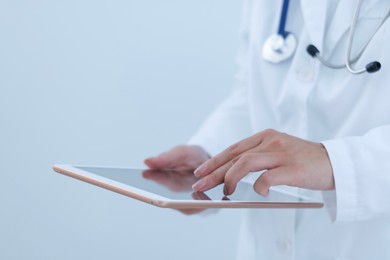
x=278, y=48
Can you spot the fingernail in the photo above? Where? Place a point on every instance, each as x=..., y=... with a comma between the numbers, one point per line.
x=200, y=185
x=264, y=193
x=200, y=170
x=225, y=190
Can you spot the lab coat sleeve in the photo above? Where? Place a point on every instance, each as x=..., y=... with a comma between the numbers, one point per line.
x=230, y=121
x=361, y=168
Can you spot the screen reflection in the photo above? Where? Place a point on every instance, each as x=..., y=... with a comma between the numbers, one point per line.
x=177, y=185
x=178, y=182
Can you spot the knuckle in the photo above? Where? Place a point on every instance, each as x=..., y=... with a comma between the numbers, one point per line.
x=245, y=159
x=277, y=140
x=214, y=179
x=235, y=160
x=248, y=161
x=233, y=150
x=181, y=150
x=269, y=132
x=250, y=158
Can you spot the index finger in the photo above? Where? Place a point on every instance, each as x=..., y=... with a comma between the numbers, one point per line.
x=229, y=154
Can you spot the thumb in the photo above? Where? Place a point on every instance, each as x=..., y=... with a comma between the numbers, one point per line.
x=273, y=177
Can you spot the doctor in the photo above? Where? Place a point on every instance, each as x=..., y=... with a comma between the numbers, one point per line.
x=328, y=129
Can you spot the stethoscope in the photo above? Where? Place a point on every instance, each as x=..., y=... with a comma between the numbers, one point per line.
x=281, y=46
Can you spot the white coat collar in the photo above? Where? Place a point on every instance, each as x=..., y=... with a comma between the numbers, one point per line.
x=327, y=33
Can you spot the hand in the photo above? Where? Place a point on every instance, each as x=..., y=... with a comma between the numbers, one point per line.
x=286, y=160
x=180, y=158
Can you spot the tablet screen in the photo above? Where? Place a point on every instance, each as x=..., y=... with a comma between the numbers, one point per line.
x=178, y=185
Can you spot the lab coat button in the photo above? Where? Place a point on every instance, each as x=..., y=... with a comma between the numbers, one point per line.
x=285, y=246
x=305, y=75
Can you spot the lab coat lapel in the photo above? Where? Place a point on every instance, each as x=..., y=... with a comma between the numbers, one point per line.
x=341, y=21
x=314, y=15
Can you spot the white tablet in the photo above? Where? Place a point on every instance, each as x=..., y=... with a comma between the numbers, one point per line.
x=170, y=189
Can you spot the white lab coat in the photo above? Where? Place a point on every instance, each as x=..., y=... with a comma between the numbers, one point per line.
x=349, y=114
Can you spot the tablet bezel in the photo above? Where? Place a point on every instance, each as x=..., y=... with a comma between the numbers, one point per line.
x=163, y=202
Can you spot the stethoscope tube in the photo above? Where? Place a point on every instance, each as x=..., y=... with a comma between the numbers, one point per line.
x=371, y=67
x=281, y=46
x=283, y=19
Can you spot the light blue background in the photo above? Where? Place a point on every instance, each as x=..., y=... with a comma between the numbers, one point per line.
x=108, y=83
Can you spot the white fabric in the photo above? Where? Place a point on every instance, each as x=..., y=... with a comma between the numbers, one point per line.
x=349, y=114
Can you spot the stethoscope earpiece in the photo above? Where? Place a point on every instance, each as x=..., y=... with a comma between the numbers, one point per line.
x=315, y=53
x=312, y=50
x=373, y=66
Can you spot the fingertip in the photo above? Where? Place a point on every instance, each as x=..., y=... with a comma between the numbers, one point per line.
x=149, y=162
x=196, y=174
x=265, y=193
x=263, y=183
x=146, y=161
x=228, y=190
x=200, y=170
x=225, y=190
x=262, y=191
x=200, y=185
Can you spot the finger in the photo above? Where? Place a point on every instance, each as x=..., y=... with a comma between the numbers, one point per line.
x=167, y=160
x=249, y=162
x=213, y=179
x=230, y=153
x=277, y=176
